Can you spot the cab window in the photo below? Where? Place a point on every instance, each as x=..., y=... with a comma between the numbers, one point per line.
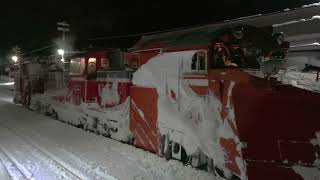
x=77, y=66
x=105, y=63
x=134, y=64
x=199, y=61
x=92, y=65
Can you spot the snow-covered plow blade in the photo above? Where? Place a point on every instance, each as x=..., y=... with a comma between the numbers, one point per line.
x=277, y=125
x=143, y=118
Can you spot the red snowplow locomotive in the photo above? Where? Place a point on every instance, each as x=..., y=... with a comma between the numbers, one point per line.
x=207, y=97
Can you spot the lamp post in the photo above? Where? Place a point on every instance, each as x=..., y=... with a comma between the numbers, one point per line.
x=63, y=27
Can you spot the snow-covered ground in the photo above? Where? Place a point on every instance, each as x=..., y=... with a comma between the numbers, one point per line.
x=6, y=86
x=33, y=146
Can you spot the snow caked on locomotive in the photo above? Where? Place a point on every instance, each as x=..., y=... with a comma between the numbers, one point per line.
x=212, y=98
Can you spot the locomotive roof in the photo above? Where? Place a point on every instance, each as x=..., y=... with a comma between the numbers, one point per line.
x=177, y=39
x=201, y=38
x=201, y=35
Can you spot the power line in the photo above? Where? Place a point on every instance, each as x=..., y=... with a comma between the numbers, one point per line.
x=116, y=37
x=139, y=34
x=37, y=50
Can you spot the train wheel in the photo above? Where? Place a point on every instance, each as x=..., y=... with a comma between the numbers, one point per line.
x=217, y=171
x=213, y=169
x=210, y=166
x=132, y=141
x=184, y=156
x=166, y=147
x=235, y=178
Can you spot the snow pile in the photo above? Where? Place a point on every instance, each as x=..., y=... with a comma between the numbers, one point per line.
x=311, y=5
x=117, y=118
x=311, y=44
x=307, y=173
x=109, y=94
x=46, y=103
x=89, y=115
x=193, y=121
x=159, y=75
x=316, y=17
x=94, y=157
x=300, y=80
x=5, y=79
x=298, y=60
x=287, y=23
x=7, y=84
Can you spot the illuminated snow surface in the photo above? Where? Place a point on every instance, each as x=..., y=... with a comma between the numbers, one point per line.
x=33, y=146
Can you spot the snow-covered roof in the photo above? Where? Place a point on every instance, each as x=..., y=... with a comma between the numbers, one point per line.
x=299, y=26
x=260, y=20
x=305, y=47
x=303, y=34
x=311, y=5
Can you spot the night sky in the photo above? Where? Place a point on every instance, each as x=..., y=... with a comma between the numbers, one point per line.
x=32, y=24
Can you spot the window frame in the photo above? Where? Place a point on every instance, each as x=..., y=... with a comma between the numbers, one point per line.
x=80, y=68
x=92, y=60
x=197, y=69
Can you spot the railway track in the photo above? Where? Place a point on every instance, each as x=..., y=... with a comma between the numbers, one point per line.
x=14, y=169
x=74, y=170
x=58, y=167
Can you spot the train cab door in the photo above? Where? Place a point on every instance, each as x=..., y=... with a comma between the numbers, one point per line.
x=91, y=68
x=91, y=84
x=77, y=80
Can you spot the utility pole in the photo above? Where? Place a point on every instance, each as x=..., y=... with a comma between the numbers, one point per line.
x=63, y=27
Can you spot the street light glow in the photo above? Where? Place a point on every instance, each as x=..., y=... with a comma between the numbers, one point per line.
x=61, y=52
x=14, y=58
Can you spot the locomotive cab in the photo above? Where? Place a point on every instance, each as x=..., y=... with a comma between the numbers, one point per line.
x=248, y=47
x=245, y=104
x=101, y=77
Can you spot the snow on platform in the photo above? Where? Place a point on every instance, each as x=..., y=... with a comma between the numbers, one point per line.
x=6, y=86
x=37, y=147
x=4, y=175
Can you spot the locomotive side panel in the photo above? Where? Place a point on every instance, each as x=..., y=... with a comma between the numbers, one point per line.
x=143, y=118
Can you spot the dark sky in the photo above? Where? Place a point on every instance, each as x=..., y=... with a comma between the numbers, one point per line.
x=32, y=24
